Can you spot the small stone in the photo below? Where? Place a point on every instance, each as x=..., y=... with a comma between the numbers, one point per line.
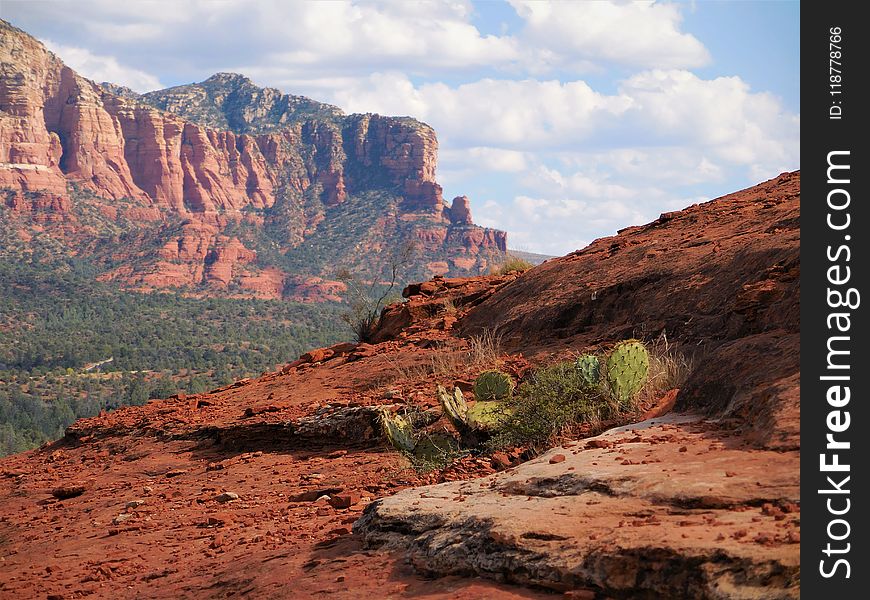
x=683, y=449
x=345, y=500
x=337, y=454
x=770, y=510
x=313, y=495
x=324, y=512
x=557, y=458
x=217, y=541
x=598, y=444
x=175, y=472
x=121, y=518
x=134, y=504
x=219, y=519
x=68, y=491
x=226, y=497
x=147, y=489
x=500, y=461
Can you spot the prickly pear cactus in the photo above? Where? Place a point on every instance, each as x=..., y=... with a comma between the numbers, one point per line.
x=399, y=431
x=493, y=385
x=486, y=415
x=454, y=406
x=627, y=370
x=590, y=369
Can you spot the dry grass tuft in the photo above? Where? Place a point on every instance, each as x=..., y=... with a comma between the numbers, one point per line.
x=511, y=263
x=668, y=369
x=484, y=350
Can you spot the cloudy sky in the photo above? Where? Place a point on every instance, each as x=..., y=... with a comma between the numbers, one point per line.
x=562, y=122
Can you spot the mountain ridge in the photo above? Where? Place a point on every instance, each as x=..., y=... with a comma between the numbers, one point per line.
x=98, y=164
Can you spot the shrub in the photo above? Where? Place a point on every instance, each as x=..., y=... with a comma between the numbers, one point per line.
x=668, y=369
x=555, y=399
x=511, y=263
x=367, y=298
x=484, y=350
x=426, y=450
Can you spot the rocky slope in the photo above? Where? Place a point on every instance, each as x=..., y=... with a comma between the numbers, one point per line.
x=221, y=185
x=258, y=488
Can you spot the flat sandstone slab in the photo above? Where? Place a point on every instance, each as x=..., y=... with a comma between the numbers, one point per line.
x=672, y=507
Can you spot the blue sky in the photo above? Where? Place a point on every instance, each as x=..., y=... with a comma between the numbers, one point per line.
x=563, y=122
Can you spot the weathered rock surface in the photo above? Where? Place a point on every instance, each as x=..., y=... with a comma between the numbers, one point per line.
x=669, y=508
x=223, y=154
x=720, y=278
x=235, y=483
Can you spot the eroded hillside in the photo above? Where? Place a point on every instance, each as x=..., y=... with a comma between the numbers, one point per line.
x=258, y=488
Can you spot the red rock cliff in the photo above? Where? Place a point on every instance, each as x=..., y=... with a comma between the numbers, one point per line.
x=222, y=157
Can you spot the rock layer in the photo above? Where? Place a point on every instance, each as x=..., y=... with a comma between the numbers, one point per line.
x=676, y=507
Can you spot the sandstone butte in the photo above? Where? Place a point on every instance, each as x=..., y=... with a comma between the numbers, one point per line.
x=282, y=486
x=182, y=188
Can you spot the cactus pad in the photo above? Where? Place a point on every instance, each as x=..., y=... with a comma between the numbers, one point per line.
x=627, y=370
x=485, y=415
x=399, y=431
x=590, y=369
x=454, y=406
x=493, y=385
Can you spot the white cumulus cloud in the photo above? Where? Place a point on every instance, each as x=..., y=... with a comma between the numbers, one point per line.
x=638, y=34
x=104, y=68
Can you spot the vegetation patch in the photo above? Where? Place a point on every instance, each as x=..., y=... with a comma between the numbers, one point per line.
x=57, y=324
x=559, y=400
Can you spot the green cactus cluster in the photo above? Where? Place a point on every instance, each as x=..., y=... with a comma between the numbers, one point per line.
x=485, y=415
x=589, y=367
x=555, y=397
x=493, y=385
x=399, y=431
x=627, y=370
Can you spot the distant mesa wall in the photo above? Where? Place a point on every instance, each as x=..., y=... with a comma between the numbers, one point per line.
x=152, y=166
